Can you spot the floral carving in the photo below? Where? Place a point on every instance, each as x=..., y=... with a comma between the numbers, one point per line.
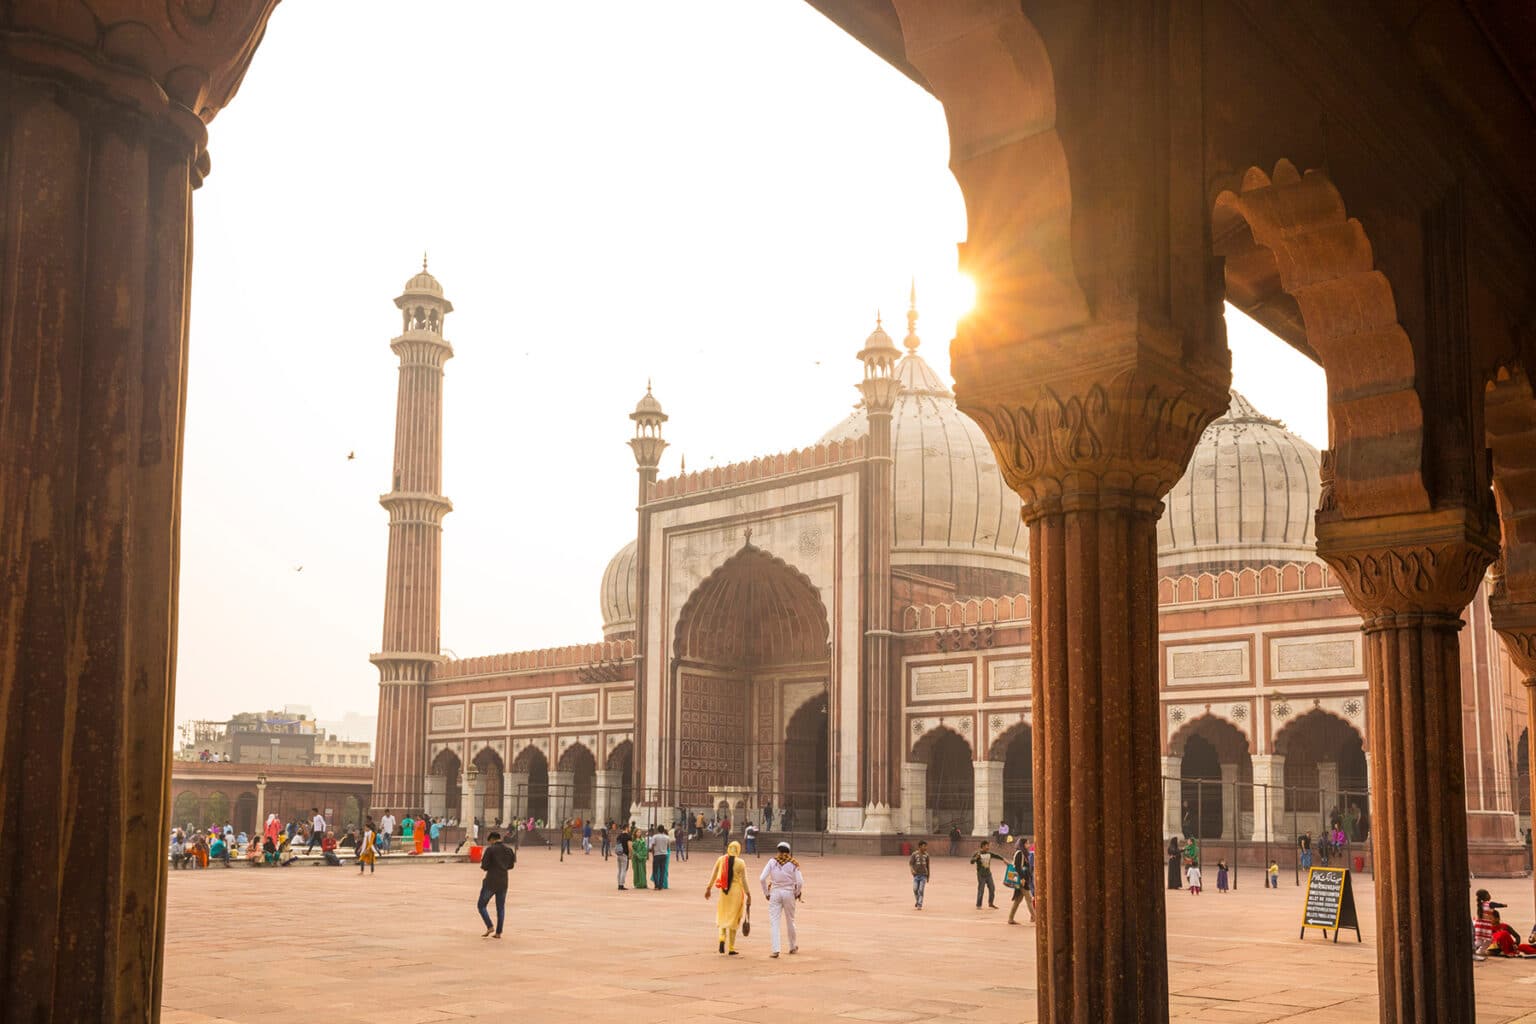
x=1426, y=563
x=1133, y=430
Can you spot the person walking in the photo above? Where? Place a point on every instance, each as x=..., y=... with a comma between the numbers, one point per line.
x=367, y=851
x=983, y=859
x=680, y=842
x=918, y=862
x=782, y=885
x=565, y=836
x=605, y=838
x=621, y=848
x=1024, y=875
x=586, y=836
x=317, y=829
x=637, y=854
x=954, y=840
x=1304, y=844
x=750, y=835
x=730, y=877
x=497, y=859
x=660, y=845
x=385, y=830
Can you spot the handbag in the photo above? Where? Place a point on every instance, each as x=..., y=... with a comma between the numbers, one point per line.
x=1011, y=877
x=746, y=925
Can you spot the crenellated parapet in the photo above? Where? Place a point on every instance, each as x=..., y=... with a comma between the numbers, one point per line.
x=800, y=460
x=1249, y=581
x=990, y=611
x=544, y=659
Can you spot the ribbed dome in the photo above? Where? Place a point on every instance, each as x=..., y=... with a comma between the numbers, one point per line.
x=423, y=284
x=648, y=407
x=618, y=596
x=952, y=506
x=1246, y=499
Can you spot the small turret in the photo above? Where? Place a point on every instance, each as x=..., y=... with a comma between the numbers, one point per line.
x=879, y=356
x=647, y=444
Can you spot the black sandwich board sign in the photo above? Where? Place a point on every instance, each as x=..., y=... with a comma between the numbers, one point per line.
x=1330, y=903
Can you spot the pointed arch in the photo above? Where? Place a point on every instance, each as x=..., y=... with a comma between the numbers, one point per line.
x=1301, y=266
x=753, y=609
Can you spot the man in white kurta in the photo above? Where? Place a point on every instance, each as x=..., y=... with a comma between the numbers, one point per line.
x=782, y=885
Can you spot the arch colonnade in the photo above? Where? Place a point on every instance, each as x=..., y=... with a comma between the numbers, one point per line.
x=1337, y=171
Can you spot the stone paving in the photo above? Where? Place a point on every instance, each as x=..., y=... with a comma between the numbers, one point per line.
x=404, y=946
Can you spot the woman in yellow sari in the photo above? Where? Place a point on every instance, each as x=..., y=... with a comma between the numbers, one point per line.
x=730, y=877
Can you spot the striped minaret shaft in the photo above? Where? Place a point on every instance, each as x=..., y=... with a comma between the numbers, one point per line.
x=413, y=581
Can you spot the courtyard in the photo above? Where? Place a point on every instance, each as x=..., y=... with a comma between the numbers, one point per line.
x=404, y=945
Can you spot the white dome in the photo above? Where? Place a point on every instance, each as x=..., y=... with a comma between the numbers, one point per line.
x=952, y=506
x=423, y=284
x=618, y=595
x=1246, y=499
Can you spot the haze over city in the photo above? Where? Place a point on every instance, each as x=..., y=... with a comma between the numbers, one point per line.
x=731, y=243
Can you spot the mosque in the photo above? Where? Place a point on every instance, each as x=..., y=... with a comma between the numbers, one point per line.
x=842, y=632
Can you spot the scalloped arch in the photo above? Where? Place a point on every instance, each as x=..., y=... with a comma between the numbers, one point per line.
x=987, y=65
x=1306, y=269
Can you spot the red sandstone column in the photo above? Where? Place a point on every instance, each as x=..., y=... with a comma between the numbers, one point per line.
x=1091, y=457
x=102, y=108
x=413, y=584
x=880, y=704
x=1409, y=577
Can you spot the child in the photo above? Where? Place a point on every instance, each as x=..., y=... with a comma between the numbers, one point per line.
x=1221, y=876
x=1192, y=874
x=1273, y=879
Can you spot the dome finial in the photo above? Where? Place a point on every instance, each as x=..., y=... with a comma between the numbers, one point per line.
x=911, y=341
x=423, y=261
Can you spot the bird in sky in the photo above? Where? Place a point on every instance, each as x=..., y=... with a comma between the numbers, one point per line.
x=299, y=569
x=351, y=456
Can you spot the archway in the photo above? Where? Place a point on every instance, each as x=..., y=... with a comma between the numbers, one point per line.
x=245, y=813
x=579, y=798
x=187, y=810
x=805, y=766
x=535, y=802
x=1523, y=778
x=1216, y=794
x=1015, y=748
x=216, y=809
x=488, y=786
x=951, y=779
x=1325, y=773
x=750, y=623
x=622, y=760
x=444, y=795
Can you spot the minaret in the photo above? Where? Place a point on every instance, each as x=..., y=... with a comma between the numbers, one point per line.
x=647, y=444
x=413, y=583
x=879, y=387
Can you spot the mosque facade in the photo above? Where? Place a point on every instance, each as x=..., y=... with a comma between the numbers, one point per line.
x=842, y=633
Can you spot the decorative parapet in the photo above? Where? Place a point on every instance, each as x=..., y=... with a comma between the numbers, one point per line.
x=1231, y=584
x=990, y=611
x=829, y=453
x=577, y=656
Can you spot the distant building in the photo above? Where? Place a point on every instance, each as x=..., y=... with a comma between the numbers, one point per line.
x=290, y=736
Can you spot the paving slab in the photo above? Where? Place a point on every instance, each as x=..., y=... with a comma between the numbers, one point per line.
x=408, y=938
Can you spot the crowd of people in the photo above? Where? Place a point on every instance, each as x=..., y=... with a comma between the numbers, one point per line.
x=1492, y=937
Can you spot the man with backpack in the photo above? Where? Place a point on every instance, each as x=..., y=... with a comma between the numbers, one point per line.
x=496, y=860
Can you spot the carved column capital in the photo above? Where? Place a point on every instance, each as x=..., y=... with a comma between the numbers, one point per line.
x=1126, y=424
x=1422, y=564
x=178, y=62
x=1515, y=622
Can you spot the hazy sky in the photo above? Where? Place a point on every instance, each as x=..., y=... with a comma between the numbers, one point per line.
x=714, y=195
